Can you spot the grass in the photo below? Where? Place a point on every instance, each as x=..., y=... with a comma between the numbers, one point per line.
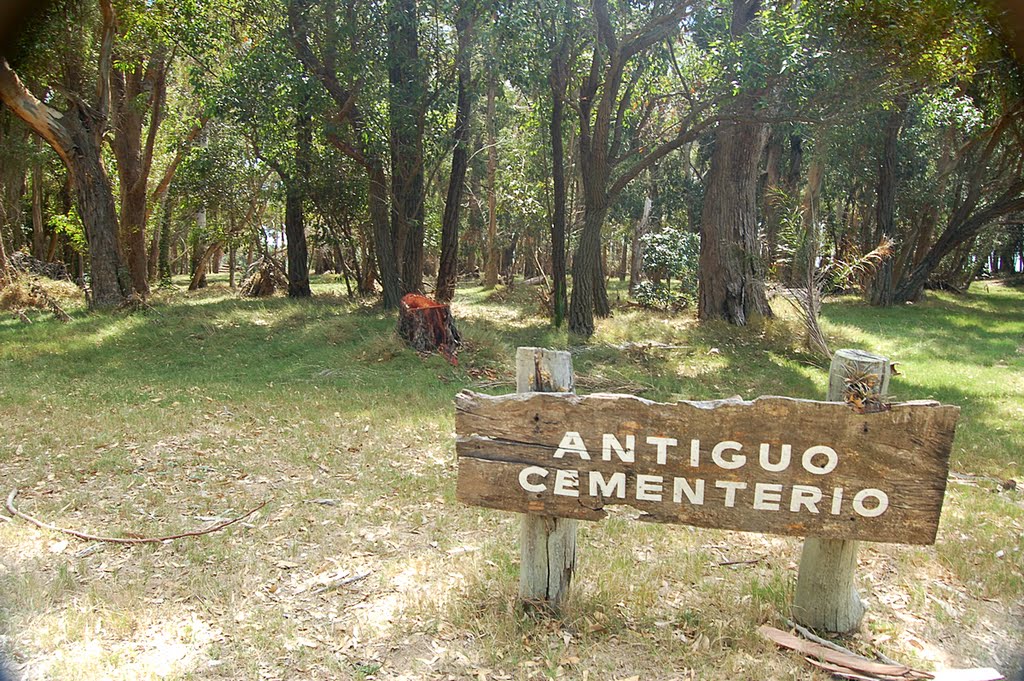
x=157, y=422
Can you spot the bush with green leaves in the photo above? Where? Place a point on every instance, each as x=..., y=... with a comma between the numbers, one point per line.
x=670, y=254
x=659, y=296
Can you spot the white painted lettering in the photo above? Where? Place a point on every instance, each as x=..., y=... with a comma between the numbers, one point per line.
x=837, y=500
x=572, y=443
x=730, y=488
x=524, y=478
x=613, y=487
x=567, y=483
x=881, y=502
x=767, y=496
x=694, y=494
x=734, y=462
x=662, y=443
x=832, y=460
x=648, y=487
x=805, y=496
x=784, y=456
x=610, y=443
x=694, y=453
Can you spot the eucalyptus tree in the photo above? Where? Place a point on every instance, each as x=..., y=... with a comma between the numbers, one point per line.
x=142, y=56
x=225, y=180
x=611, y=111
x=338, y=45
x=448, y=268
x=408, y=99
x=940, y=103
x=268, y=94
x=72, y=62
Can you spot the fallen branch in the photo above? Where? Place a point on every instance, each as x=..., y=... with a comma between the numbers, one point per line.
x=336, y=583
x=850, y=664
x=121, y=540
x=810, y=636
x=752, y=561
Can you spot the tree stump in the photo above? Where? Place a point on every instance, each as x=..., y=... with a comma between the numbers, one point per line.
x=826, y=595
x=547, y=546
x=428, y=326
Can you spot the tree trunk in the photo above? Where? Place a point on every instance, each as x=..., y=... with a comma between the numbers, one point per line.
x=586, y=274
x=447, y=271
x=882, y=286
x=135, y=156
x=38, y=228
x=164, y=263
x=5, y=272
x=731, y=268
x=558, y=80
x=110, y=281
x=294, y=209
x=201, y=265
x=298, y=253
x=407, y=94
x=636, y=264
x=731, y=281
x=491, y=261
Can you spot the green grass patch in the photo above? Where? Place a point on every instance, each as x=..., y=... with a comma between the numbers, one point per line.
x=161, y=421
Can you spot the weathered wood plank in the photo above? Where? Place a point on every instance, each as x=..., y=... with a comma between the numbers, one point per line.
x=826, y=595
x=547, y=545
x=898, y=456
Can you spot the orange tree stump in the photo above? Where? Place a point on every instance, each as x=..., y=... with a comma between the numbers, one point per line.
x=428, y=326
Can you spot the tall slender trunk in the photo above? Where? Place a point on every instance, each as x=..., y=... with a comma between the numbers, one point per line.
x=558, y=80
x=407, y=95
x=164, y=263
x=298, y=251
x=882, y=286
x=109, y=278
x=38, y=228
x=294, y=209
x=135, y=154
x=5, y=272
x=491, y=262
x=636, y=263
x=448, y=268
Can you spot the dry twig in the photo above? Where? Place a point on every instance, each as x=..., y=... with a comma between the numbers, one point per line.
x=336, y=583
x=121, y=540
x=810, y=636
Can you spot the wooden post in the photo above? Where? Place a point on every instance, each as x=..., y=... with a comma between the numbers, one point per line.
x=547, y=545
x=826, y=595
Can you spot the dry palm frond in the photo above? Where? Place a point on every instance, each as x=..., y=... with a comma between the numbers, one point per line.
x=846, y=273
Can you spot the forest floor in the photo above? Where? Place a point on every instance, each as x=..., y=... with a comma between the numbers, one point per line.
x=207, y=405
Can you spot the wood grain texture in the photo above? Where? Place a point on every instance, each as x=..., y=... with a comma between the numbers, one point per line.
x=903, y=451
x=826, y=595
x=547, y=545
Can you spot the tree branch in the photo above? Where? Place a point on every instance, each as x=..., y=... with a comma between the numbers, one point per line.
x=121, y=540
x=42, y=120
x=105, y=63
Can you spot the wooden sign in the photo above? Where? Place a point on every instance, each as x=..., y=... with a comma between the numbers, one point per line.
x=776, y=464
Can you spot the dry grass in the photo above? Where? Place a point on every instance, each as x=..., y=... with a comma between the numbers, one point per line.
x=159, y=423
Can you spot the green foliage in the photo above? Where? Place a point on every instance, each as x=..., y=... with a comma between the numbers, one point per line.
x=673, y=253
x=70, y=226
x=659, y=296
